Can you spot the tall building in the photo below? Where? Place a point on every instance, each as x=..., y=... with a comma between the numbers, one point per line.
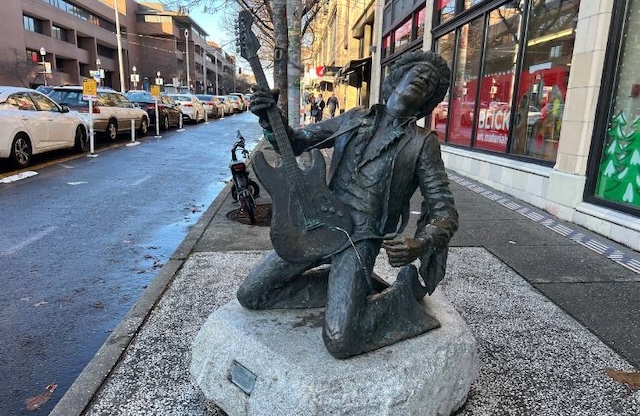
x=544, y=101
x=63, y=41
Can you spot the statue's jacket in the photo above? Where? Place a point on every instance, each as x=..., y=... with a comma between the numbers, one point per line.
x=418, y=163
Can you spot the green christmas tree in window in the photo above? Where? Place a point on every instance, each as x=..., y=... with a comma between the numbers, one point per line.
x=620, y=168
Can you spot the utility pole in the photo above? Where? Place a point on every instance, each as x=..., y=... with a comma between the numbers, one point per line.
x=119, y=42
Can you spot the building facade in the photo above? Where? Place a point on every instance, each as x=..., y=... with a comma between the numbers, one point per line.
x=543, y=103
x=61, y=42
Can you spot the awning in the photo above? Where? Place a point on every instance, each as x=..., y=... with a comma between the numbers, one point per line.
x=354, y=65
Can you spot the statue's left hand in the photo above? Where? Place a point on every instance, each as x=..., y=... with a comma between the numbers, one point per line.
x=403, y=251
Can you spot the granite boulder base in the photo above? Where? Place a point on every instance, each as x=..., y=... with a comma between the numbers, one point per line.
x=275, y=363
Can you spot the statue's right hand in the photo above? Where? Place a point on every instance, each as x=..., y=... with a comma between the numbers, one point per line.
x=262, y=100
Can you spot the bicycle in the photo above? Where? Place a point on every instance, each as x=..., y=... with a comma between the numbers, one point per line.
x=244, y=190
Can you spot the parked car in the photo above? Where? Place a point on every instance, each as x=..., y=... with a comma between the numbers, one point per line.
x=247, y=98
x=242, y=104
x=236, y=104
x=112, y=111
x=226, y=105
x=191, y=106
x=169, y=112
x=32, y=123
x=212, y=104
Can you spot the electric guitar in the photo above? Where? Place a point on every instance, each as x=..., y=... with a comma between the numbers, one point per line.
x=308, y=223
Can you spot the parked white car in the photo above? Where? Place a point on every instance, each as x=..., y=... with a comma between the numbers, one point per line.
x=32, y=123
x=192, y=108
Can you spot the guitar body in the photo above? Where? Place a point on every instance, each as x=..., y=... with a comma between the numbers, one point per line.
x=297, y=236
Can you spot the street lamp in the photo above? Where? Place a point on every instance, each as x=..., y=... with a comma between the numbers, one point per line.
x=135, y=78
x=43, y=53
x=186, y=37
x=98, y=63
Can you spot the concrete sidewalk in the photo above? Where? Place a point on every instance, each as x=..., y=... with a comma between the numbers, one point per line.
x=551, y=306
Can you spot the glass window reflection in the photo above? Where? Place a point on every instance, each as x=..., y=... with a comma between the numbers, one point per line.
x=544, y=78
x=463, y=100
x=445, y=47
x=497, y=83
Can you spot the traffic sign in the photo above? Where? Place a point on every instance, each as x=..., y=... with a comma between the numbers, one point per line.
x=89, y=89
x=155, y=91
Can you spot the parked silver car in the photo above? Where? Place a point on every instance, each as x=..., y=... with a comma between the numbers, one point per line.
x=112, y=111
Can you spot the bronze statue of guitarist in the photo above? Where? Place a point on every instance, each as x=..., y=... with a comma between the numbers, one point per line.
x=380, y=158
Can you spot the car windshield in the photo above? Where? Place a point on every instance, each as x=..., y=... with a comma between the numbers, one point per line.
x=71, y=98
x=140, y=97
x=181, y=97
x=204, y=97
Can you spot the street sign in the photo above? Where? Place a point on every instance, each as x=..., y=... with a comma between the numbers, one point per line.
x=155, y=91
x=89, y=89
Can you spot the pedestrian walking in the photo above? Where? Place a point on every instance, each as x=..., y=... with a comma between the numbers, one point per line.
x=321, y=105
x=332, y=105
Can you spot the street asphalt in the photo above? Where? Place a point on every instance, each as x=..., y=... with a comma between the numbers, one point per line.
x=552, y=306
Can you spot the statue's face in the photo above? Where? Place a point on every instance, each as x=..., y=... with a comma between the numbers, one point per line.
x=412, y=92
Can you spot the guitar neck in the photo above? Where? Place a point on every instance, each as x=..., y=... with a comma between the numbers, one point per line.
x=275, y=119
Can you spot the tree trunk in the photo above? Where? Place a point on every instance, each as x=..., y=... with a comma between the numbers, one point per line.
x=294, y=15
x=281, y=55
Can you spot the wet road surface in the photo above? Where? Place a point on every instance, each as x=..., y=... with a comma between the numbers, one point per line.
x=81, y=240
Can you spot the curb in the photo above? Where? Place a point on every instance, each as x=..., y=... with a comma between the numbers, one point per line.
x=84, y=389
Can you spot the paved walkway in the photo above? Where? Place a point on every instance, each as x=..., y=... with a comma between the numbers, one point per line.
x=552, y=306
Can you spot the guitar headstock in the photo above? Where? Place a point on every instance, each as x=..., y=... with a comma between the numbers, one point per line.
x=249, y=43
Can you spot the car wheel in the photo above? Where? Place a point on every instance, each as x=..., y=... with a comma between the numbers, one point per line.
x=165, y=122
x=112, y=130
x=144, y=126
x=21, y=150
x=82, y=140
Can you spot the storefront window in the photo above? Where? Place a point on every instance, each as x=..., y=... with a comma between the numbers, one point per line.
x=470, y=3
x=618, y=177
x=385, y=46
x=544, y=78
x=497, y=82
x=446, y=10
x=463, y=91
x=419, y=23
x=445, y=47
x=402, y=36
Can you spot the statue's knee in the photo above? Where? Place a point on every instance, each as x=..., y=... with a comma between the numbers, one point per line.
x=248, y=298
x=340, y=344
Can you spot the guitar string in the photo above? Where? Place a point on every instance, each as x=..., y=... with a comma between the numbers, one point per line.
x=364, y=269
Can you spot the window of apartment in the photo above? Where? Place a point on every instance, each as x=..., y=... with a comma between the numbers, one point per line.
x=60, y=65
x=106, y=51
x=32, y=24
x=60, y=33
x=33, y=56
